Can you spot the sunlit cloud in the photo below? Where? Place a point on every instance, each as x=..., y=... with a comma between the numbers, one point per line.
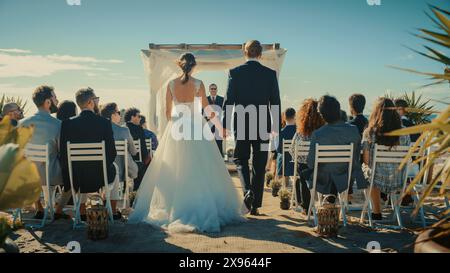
x=14, y=50
x=27, y=65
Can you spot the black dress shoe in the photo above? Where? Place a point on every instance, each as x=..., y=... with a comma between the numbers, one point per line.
x=117, y=216
x=39, y=215
x=83, y=217
x=63, y=216
x=255, y=212
x=377, y=216
x=248, y=200
x=330, y=199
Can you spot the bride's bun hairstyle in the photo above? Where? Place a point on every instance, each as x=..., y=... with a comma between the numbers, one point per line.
x=253, y=49
x=186, y=62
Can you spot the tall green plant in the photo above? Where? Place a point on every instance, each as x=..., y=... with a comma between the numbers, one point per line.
x=437, y=133
x=420, y=110
x=19, y=101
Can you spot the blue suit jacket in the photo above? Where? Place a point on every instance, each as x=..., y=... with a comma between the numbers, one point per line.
x=337, y=173
x=46, y=131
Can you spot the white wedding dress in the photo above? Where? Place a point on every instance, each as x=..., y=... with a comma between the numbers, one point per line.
x=187, y=186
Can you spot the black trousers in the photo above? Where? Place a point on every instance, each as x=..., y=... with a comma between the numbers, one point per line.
x=220, y=145
x=306, y=174
x=255, y=183
x=301, y=187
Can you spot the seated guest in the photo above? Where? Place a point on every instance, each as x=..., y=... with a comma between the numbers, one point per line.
x=67, y=109
x=344, y=117
x=332, y=178
x=14, y=112
x=88, y=127
x=133, y=122
x=357, y=103
x=401, y=105
x=133, y=119
x=149, y=134
x=47, y=131
x=112, y=113
x=308, y=120
x=388, y=178
x=287, y=133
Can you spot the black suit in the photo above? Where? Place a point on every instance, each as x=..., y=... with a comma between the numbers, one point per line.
x=361, y=122
x=87, y=128
x=219, y=102
x=252, y=84
x=137, y=132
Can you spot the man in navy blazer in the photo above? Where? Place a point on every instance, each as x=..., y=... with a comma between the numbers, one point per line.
x=216, y=101
x=254, y=95
x=287, y=133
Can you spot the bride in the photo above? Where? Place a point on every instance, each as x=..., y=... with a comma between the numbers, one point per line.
x=187, y=186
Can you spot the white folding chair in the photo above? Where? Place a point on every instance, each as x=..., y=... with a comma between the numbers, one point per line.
x=386, y=154
x=286, y=145
x=148, y=143
x=122, y=150
x=40, y=153
x=331, y=154
x=137, y=145
x=302, y=149
x=87, y=152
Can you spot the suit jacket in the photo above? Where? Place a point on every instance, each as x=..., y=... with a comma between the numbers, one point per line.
x=137, y=132
x=123, y=133
x=218, y=103
x=46, y=131
x=337, y=134
x=361, y=122
x=287, y=133
x=88, y=128
x=406, y=122
x=252, y=84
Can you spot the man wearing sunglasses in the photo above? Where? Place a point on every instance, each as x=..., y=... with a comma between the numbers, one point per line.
x=217, y=102
x=14, y=112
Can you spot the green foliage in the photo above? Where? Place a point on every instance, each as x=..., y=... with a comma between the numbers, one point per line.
x=19, y=101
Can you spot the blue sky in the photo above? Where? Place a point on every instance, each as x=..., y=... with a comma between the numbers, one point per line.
x=334, y=46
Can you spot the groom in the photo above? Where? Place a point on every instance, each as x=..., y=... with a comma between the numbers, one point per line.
x=252, y=90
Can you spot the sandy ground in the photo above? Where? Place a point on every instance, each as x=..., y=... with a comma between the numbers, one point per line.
x=277, y=231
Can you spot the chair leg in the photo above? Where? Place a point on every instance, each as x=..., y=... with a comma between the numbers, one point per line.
x=311, y=203
x=394, y=200
x=343, y=209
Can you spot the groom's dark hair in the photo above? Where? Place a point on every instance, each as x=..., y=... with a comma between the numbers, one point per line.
x=253, y=49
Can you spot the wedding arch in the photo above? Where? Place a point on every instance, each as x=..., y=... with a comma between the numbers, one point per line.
x=160, y=67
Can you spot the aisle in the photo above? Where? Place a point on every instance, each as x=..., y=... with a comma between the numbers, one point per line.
x=278, y=231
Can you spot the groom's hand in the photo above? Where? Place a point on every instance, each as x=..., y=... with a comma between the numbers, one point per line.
x=225, y=133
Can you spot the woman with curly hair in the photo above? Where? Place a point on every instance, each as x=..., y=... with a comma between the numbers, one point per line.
x=388, y=178
x=308, y=120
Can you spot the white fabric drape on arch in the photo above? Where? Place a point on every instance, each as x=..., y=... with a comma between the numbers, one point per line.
x=160, y=67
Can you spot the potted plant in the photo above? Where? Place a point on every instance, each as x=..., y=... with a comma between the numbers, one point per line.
x=437, y=133
x=268, y=178
x=276, y=186
x=285, y=199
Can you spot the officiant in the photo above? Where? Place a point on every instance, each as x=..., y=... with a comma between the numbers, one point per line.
x=216, y=101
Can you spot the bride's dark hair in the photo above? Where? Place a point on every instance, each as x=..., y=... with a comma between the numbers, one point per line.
x=186, y=62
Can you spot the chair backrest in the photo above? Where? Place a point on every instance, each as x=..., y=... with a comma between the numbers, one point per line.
x=39, y=153
x=302, y=149
x=148, y=142
x=121, y=147
x=334, y=153
x=86, y=152
x=137, y=145
x=387, y=154
x=36, y=153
